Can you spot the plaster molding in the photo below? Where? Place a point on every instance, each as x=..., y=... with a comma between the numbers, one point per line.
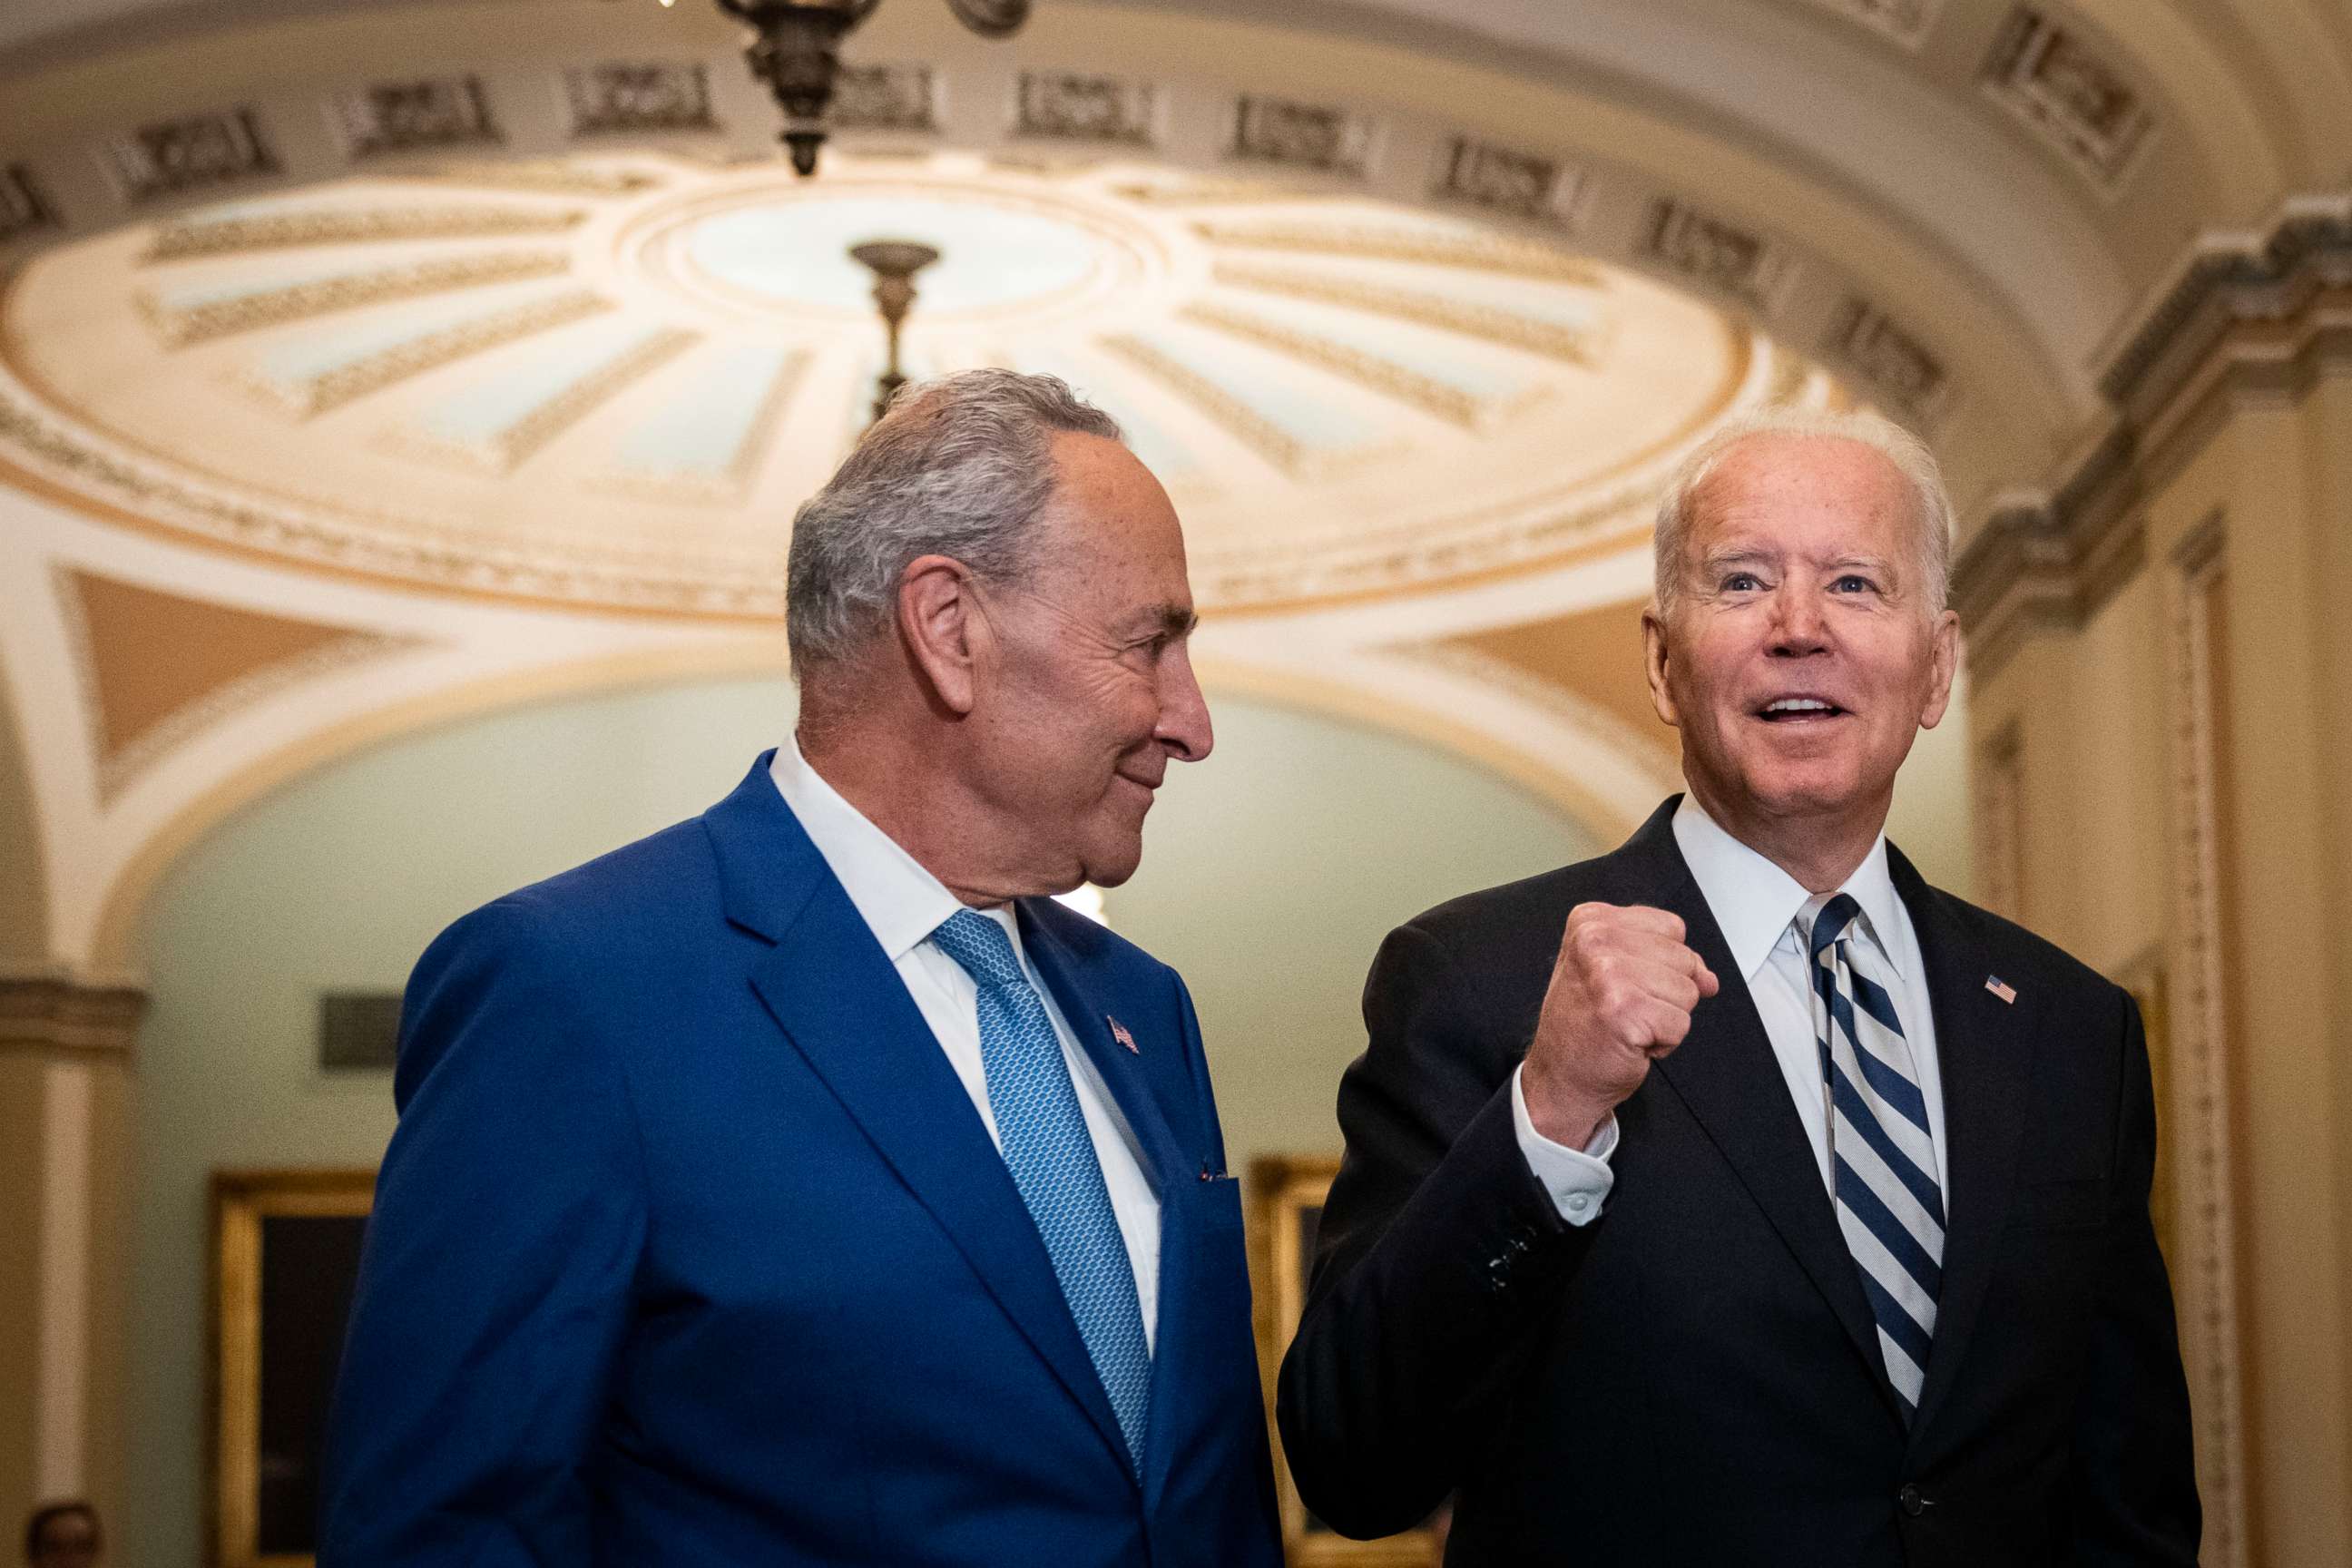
x=59, y=1017
x=2245, y=316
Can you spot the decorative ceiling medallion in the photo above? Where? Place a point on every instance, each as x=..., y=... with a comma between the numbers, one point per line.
x=630, y=98
x=1065, y=106
x=1502, y=180
x=1348, y=397
x=885, y=98
x=2058, y=84
x=408, y=116
x=22, y=209
x=1890, y=361
x=1314, y=137
x=1713, y=252
x=175, y=156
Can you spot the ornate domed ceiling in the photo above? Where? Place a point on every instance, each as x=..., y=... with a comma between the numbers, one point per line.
x=610, y=380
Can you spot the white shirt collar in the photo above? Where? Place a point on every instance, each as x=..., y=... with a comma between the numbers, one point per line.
x=1753, y=900
x=900, y=901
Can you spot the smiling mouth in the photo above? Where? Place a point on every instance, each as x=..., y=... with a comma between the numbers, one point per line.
x=1800, y=711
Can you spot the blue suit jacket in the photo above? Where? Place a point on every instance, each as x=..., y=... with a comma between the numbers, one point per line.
x=691, y=1248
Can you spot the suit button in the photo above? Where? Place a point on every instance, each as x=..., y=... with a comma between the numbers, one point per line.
x=1913, y=1501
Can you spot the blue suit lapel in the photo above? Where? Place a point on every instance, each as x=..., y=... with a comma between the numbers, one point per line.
x=842, y=1005
x=1076, y=986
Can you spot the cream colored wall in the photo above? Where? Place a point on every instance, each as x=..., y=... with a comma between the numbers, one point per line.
x=24, y=912
x=1271, y=872
x=2095, y=711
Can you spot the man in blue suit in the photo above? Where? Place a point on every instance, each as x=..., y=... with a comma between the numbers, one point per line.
x=802, y=1184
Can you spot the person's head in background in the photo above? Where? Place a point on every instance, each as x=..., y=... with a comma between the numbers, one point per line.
x=62, y=1536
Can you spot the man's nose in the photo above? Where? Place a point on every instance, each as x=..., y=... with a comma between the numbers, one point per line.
x=1183, y=726
x=1797, y=623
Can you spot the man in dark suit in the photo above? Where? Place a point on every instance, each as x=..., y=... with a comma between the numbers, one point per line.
x=1736, y=1197
x=801, y=1185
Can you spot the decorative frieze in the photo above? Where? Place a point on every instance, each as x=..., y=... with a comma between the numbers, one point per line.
x=175, y=156
x=885, y=98
x=1896, y=365
x=23, y=210
x=2053, y=78
x=219, y=316
x=628, y=98
x=409, y=116
x=1319, y=137
x=1505, y=180
x=203, y=235
x=1713, y=252
x=1067, y=107
x=61, y=1017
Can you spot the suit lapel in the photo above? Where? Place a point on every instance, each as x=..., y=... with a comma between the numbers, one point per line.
x=1727, y=1076
x=1088, y=1009
x=1984, y=1068
x=835, y=994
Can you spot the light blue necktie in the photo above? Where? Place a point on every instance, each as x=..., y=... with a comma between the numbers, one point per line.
x=1889, y=1204
x=1052, y=1158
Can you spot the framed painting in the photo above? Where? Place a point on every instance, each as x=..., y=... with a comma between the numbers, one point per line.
x=1286, y=1195
x=286, y=1254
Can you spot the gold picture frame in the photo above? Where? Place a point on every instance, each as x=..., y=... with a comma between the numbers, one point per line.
x=1286, y=1195
x=284, y=1254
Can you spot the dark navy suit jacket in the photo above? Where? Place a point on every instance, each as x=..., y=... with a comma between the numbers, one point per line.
x=691, y=1248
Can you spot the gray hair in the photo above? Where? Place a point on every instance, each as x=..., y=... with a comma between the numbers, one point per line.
x=1679, y=506
x=960, y=467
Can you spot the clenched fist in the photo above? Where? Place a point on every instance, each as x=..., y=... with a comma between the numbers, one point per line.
x=1620, y=996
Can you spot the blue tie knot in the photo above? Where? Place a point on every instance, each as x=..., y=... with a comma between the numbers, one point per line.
x=1831, y=922
x=980, y=946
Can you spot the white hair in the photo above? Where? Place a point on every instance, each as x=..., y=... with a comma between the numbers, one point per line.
x=960, y=467
x=1932, y=508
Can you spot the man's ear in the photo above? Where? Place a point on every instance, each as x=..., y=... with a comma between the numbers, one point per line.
x=1653, y=659
x=940, y=627
x=1945, y=662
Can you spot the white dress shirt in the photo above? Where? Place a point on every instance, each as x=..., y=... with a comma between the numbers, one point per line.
x=902, y=904
x=1756, y=905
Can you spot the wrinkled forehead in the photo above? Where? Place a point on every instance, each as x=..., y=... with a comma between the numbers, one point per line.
x=1803, y=494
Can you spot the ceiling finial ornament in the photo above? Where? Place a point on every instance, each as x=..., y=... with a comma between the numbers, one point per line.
x=794, y=47
x=894, y=263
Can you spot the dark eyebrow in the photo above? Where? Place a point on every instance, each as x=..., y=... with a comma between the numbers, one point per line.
x=1174, y=620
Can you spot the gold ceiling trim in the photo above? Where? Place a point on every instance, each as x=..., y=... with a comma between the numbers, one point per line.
x=728, y=487
x=548, y=176
x=1263, y=436
x=182, y=325
x=1499, y=253
x=1490, y=322
x=1361, y=367
x=333, y=388
x=183, y=238
x=506, y=449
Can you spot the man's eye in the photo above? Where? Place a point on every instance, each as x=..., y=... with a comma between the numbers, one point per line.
x=1853, y=584
x=1741, y=583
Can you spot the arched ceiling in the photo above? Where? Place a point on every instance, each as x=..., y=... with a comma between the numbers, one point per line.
x=406, y=355
x=610, y=380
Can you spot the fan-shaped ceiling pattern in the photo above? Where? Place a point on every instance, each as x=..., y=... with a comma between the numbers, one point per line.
x=610, y=380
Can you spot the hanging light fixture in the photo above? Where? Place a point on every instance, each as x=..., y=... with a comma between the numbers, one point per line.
x=794, y=47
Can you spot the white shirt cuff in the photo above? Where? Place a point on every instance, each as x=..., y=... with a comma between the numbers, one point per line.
x=1578, y=1179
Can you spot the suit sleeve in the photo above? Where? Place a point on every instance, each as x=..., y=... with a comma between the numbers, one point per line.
x=1438, y=1255
x=495, y=1286
x=2135, y=1485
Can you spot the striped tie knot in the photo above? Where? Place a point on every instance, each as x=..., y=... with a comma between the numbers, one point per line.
x=981, y=946
x=1830, y=924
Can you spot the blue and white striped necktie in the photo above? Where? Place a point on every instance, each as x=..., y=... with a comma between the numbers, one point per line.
x=1883, y=1156
x=1052, y=1157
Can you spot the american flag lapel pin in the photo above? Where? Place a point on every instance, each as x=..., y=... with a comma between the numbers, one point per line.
x=2000, y=988
x=1118, y=1032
